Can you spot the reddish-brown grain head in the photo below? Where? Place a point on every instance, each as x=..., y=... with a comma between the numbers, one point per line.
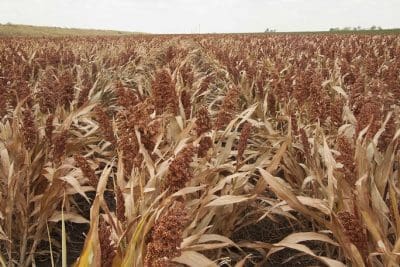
x=166, y=237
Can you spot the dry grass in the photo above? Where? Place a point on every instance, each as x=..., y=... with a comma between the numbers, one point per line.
x=231, y=150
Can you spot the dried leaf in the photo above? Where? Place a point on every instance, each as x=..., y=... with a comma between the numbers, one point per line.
x=301, y=237
x=227, y=200
x=194, y=259
x=67, y=216
x=306, y=250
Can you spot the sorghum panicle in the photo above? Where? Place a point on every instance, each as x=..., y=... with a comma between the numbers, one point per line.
x=29, y=130
x=346, y=157
x=49, y=128
x=105, y=124
x=228, y=109
x=244, y=137
x=59, y=141
x=354, y=230
x=204, y=145
x=180, y=172
x=186, y=103
x=203, y=121
x=120, y=209
x=107, y=248
x=164, y=94
x=166, y=237
x=87, y=171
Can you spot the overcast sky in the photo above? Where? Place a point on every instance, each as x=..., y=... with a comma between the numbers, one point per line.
x=189, y=16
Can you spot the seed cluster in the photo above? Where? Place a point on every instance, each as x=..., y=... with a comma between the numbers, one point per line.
x=106, y=246
x=29, y=129
x=203, y=121
x=346, y=157
x=105, y=124
x=244, y=137
x=186, y=103
x=166, y=237
x=164, y=94
x=179, y=171
x=354, y=230
x=49, y=128
x=86, y=169
x=204, y=145
x=59, y=141
x=228, y=108
x=120, y=210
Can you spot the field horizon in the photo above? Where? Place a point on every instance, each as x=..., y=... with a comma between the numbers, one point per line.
x=11, y=29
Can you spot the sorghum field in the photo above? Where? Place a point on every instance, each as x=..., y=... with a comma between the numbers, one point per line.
x=200, y=150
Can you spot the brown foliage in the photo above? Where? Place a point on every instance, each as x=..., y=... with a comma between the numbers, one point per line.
x=244, y=137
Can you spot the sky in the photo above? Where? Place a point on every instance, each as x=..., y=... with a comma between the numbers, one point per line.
x=204, y=16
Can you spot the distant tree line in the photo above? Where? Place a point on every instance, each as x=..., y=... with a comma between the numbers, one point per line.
x=270, y=30
x=358, y=28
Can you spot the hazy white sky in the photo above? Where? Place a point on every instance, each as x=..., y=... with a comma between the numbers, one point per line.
x=186, y=16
